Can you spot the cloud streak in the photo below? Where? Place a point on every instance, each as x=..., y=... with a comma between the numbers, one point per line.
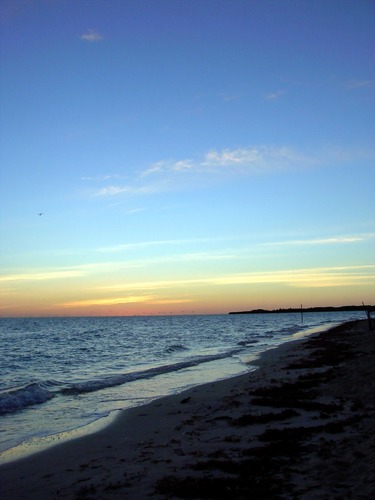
x=306, y=277
x=169, y=175
x=255, y=159
x=359, y=84
x=231, y=97
x=272, y=96
x=91, y=36
x=129, y=190
x=323, y=241
x=156, y=243
x=132, y=299
x=101, y=177
x=42, y=275
x=164, y=291
x=79, y=271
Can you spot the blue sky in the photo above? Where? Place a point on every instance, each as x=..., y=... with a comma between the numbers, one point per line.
x=188, y=156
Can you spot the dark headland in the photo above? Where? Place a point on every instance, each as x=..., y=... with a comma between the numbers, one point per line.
x=308, y=309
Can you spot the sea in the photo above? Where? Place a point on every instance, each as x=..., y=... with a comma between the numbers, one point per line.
x=64, y=377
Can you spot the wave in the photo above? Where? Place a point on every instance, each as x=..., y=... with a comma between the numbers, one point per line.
x=248, y=342
x=36, y=393
x=291, y=329
x=22, y=397
x=175, y=348
x=123, y=378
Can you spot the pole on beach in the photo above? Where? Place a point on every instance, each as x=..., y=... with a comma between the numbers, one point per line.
x=301, y=314
x=368, y=314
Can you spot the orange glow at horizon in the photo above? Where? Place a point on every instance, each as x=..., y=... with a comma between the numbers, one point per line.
x=197, y=300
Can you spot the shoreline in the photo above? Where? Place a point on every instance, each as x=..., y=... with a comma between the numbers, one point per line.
x=33, y=445
x=300, y=418
x=65, y=429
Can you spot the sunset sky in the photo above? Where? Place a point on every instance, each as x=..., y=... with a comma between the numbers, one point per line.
x=187, y=156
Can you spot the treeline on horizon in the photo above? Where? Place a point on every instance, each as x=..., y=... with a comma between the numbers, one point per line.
x=307, y=309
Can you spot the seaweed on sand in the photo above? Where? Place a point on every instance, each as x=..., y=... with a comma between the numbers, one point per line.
x=292, y=395
x=264, y=418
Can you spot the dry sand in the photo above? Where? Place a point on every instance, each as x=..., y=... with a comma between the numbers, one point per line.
x=301, y=426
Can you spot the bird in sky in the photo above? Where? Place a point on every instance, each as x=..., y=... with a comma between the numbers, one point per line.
x=40, y=213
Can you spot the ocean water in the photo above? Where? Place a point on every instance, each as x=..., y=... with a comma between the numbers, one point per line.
x=61, y=374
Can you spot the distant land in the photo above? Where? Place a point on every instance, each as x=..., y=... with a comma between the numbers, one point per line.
x=307, y=309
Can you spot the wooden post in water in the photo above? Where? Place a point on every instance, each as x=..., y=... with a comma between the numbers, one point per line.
x=301, y=314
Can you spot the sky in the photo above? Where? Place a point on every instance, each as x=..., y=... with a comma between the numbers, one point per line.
x=186, y=156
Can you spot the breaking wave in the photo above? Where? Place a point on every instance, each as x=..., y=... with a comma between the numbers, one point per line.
x=17, y=399
x=37, y=393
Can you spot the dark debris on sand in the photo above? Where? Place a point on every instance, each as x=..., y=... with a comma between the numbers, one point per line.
x=267, y=467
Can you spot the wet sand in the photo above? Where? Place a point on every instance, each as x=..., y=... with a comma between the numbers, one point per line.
x=301, y=426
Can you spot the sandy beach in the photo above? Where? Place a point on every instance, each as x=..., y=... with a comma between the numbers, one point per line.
x=300, y=426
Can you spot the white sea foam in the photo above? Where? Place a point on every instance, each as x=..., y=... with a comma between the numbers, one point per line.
x=19, y=398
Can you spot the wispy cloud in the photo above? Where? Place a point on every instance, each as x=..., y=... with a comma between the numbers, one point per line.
x=165, y=166
x=228, y=157
x=306, y=277
x=170, y=174
x=359, y=84
x=78, y=271
x=131, y=299
x=272, y=96
x=109, y=301
x=231, y=97
x=174, y=291
x=91, y=36
x=101, y=177
x=323, y=241
x=41, y=275
x=257, y=158
x=264, y=158
x=130, y=190
x=157, y=243
x=131, y=211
